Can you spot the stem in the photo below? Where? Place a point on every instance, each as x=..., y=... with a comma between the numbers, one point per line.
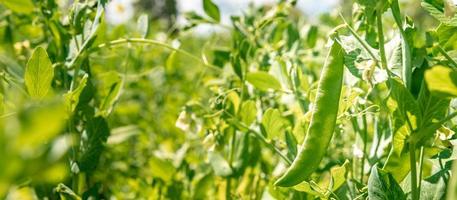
x=152, y=42
x=421, y=163
x=446, y=55
x=365, y=136
x=406, y=51
x=412, y=159
x=382, y=50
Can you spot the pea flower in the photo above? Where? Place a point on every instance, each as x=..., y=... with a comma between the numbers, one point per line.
x=379, y=76
x=119, y=11
x=357, y=152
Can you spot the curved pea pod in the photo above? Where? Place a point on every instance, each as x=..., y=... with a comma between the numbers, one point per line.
x=323, y=120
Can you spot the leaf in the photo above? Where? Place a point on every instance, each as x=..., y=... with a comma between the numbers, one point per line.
x=212, y=10
x=382, y=186
x=404, y=111
x=439, y=14
x=355, y=54
x=442, y=81
x=142, y=25
x=93, y=143
x=273, y=123
x=433, y=110
x=161, y=168
x=40, y=124
x=398, y=165
x=452, y=186
x=263, y=81
x=66, y=193
x=38, y=74
x=220, y=166
x=110, y=89
x=311, y=37
x=248, y=112
x=72, y=97
x=19, y=6
x=339, y=175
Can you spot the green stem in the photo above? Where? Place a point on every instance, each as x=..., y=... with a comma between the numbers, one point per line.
x=365, y=140
x=446, y=55
x=156, y=43
x=412, y=159
x=421, y=163
x=406, y=51
x=381, y=41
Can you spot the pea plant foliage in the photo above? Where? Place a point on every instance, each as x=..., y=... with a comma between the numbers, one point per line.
x=101, y=99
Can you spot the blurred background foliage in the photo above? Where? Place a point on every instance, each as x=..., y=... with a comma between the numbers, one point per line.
x=149, y=97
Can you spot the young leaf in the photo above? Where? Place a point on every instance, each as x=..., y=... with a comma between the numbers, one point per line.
x=110, y=90
x=72, y=97
x=212, y=10
x=248, y=112
x=382, y=186
x=273, y=123
x=263, y=81
x=38, y=74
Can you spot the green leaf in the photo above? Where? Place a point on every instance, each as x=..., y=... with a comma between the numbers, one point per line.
x=404, y=111
x=382, y=186
x=66, y=193
x=72, y=97
x=398, y=165
x=162, y=169
x=442, y=81
x=273, y=123
x=339, y=175
x=248, y=112
x=220, y=166
x=355, y=55
x=212, y=10
x=19, y=6
x=93, y=143
x=439, y=14
x=40, y=124
x=433, y=110
x=311, y=37
x=263, y=81
x=452, y=186
x=39, y=74
x=110, y=87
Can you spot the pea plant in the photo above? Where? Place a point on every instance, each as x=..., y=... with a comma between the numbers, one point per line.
x=98, y=101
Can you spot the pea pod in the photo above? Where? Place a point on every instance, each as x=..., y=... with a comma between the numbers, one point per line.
x=322, y=122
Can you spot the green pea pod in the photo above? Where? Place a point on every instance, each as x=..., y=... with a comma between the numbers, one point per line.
x=322, y=123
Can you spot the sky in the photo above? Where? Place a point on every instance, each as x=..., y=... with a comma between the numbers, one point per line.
x=235, y=7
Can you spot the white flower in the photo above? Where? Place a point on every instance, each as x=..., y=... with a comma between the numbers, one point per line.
x=379, y=76
x=183, y=121
x=357, y=152
x=119, y=11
